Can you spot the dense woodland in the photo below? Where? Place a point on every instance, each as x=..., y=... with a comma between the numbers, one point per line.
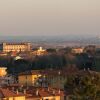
x=54, y=60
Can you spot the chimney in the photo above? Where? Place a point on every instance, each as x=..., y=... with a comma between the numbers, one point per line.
x=37, y=92
x=24, y=91
x=59, y=91
x=48, y=89
x=17, y=92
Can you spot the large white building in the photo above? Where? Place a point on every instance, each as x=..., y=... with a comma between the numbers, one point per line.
x=7, y=47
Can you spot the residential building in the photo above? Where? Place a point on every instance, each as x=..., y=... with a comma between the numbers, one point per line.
x=58, y=78
x=29, y=78
x=45, y=78
x=3, y=71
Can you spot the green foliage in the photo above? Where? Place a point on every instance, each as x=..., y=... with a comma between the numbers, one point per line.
x=54, y=61
x=50, y=50
x=87, y=87
x=97, y=64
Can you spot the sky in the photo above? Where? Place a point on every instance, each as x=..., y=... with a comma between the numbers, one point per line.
x=50, y=17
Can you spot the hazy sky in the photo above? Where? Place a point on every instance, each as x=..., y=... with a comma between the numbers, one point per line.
x=49, y=17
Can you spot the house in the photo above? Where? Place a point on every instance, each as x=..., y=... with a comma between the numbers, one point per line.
x=29, y=78
x=3, y=71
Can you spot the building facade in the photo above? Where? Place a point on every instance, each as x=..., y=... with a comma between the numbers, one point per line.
x=45, y=78
x=3, y=71
x=77, y=50
x=40, y=52
x=29, y=78
x=8, y=47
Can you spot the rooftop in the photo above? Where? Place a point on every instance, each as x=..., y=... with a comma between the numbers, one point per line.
x=30, y=92
x=8, y=93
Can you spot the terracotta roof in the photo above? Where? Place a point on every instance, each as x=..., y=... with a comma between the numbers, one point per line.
x=31, y=92
x=8, y=93
x=45, y=92
x=51, y=92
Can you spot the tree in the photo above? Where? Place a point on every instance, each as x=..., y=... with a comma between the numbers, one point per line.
x=86, y=87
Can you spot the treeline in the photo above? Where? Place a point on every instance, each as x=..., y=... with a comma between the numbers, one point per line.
x=54, y=61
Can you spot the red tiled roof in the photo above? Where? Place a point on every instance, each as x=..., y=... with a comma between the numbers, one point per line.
x=44, y=92
x=51, y=92
x=31, y=92
x=9, y=93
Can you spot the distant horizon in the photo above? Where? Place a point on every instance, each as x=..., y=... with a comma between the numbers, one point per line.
x=51, y=39
x=52, y=35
